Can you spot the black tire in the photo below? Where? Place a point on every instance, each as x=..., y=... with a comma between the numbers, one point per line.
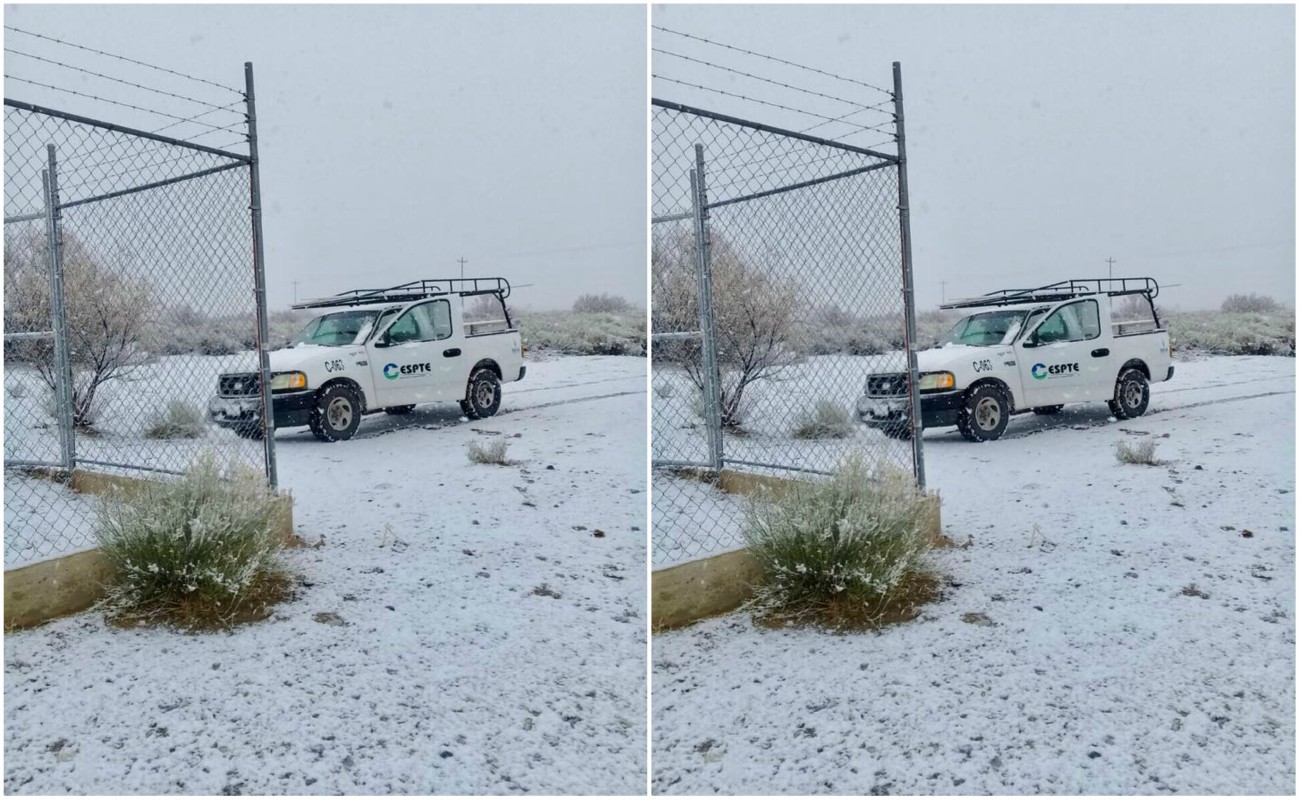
x=1044, y=411
x=900, y=429
x=482, y=395
x=1132, y=394
x=250, y=430
x=337, y=413
x=984, y=415
x=464, y=407
x=398, y=411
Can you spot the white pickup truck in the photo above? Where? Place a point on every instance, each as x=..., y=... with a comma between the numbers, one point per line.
x=382, y=350
x=1032, y=350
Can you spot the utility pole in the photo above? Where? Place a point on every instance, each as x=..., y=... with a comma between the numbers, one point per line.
x=1110, y=266
x=462, y=263
x=295, y=292
x=943, y=293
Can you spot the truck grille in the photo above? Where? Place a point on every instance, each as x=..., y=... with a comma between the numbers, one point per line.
x=890, y=385
x=239, y=384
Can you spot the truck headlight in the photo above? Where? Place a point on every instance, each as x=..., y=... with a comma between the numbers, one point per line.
x=936, y=381
x=288, y=381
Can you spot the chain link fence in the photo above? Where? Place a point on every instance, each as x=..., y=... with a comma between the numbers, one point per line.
x=129, y=257
x=780, y=281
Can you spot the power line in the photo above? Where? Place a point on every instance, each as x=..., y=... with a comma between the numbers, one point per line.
x=121, y=58
x=111, y=78
x=773, y=58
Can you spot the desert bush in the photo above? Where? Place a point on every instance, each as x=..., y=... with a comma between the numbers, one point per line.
x=569, y=333
x=492, y=453
x=1232, y=334
x=199, y=552
x=847, y=552
x=106, y=316
x=180, y=420
x=754, y=315
x=826, y=420
x=601, y=304
x=1249, y=304
x=1143, y=452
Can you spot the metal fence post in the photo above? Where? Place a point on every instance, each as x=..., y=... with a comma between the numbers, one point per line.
x=909, y=298
x=63, y=394
x=708, y=341
x=259, y=277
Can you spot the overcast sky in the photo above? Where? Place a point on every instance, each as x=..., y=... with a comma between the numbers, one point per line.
x=397, y=139
x=1043, y=140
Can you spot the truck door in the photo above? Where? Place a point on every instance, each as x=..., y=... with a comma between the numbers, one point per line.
x=1062, y=360
x=408, y=360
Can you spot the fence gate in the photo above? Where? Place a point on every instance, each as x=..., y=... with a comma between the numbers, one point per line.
x=133, y=278
x=781, y=278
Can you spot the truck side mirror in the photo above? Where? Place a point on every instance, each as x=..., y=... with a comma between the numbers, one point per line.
x=1031, y=340
x=383, y=340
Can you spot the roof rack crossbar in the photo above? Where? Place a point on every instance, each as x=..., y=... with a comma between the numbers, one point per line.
x=1062, y=290
x=410, y=292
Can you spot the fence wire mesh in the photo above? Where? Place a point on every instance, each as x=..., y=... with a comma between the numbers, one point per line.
x=803, y=263
x=115, y=340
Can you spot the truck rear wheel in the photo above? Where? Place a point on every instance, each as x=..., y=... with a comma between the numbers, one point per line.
x=984, y=415
x=1132, y=395
x=483, y=395
x=337, y=413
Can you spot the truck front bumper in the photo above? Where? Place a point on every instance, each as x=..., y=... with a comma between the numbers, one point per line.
x=289, y=410
x=937, y=410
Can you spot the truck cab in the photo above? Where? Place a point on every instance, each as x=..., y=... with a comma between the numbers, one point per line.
x=381, y=350
x=1036, y=350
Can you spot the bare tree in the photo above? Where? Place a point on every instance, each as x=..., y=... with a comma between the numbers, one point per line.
x=107, y=316
x=754, y=316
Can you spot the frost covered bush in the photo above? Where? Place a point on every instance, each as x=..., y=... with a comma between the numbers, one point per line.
x=1232, y=334
x=826, y=420
x=1141, y=453
x=200, y=552
x=180, y=420
x=601, y=304
x=493, y=453
x=846, y=552
x=1250, y=304
x=579, y=334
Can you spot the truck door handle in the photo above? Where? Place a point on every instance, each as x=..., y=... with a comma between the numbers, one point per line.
x=452, y=353
x=1101, y=352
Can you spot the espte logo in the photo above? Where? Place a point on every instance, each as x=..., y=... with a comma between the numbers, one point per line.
x=1041, y=370
x=393, y=371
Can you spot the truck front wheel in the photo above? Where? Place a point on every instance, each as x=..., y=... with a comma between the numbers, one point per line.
x=336, y=414
x=984, y=415
x=483, y=395
x=1132, y=395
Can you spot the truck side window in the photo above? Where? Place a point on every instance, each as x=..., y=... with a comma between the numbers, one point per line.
x=427, y=322
x=440, y=312
x=1076, y=322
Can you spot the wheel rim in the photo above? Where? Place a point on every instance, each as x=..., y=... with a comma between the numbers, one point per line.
x=484, y=393
x=339, y=413
x=988, y=413
x=1132, y=394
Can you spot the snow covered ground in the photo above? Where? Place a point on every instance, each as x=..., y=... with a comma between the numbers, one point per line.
x=460, y=628
x=1138, y=629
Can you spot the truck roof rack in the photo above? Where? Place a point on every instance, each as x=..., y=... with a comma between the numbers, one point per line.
x=1063, y=290
x=410, y=292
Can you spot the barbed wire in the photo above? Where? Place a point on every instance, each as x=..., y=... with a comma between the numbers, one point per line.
x=756, y=100
x=111, y=78
x=105, y=100
x=772, y=58
x=861, y=106
x=122, y=58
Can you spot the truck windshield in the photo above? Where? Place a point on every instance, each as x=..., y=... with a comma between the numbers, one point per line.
x=986, y=329
x=339, y=329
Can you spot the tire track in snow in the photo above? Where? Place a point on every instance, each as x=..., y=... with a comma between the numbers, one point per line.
x=507, y=412
x=1107, y=420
